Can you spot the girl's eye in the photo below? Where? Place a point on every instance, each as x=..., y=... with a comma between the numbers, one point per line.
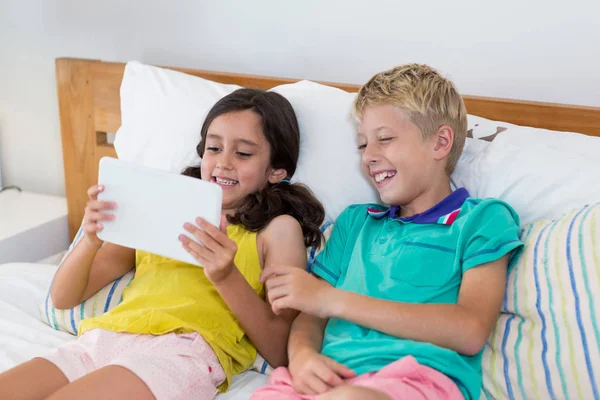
x=385, y=139
x=362, y=146
x=245, y=155
x=212, y=149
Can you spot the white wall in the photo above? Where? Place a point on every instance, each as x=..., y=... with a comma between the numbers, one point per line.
x=520, y=49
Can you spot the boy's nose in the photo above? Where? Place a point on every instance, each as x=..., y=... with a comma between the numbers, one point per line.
x=370, y=155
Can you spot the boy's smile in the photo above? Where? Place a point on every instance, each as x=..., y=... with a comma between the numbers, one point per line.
x=382, y=177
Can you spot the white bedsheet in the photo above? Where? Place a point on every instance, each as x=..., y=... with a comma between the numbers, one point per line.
x=23, y=335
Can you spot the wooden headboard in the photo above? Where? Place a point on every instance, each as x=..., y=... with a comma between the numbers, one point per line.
x=89, y=104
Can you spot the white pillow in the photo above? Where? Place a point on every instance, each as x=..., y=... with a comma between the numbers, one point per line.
x=161, y=115
x=162, y=112
x=482, y=128
x=539, y=181
x=329, y=160
x=532, y=138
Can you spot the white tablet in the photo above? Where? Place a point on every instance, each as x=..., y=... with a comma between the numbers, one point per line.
x=153, y=205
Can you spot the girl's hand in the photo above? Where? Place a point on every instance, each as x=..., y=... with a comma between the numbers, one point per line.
x=95, y=214
x=291, y=287
x=218, y=252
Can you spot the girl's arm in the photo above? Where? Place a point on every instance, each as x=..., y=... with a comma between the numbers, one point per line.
x=463, y=327
x=86, y=270
x=90, y=266
x=283, y=243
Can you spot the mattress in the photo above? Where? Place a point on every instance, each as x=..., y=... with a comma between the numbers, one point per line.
x=23, y=335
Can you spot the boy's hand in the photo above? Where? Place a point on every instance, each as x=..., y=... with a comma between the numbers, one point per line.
x=218, y=252
x=313, y=373
x=292, y=287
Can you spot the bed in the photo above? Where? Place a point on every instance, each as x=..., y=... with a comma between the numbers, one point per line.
x=89, y=103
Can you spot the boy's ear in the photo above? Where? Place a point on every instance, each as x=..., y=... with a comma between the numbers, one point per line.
x=276, y=175
x=443, y=140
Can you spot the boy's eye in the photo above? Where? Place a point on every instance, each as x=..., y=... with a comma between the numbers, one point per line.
x=362, y=146
x=245, y=155
x=385, y=139
x=212, y=149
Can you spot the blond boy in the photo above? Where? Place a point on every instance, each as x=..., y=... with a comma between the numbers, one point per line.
x=409, y=293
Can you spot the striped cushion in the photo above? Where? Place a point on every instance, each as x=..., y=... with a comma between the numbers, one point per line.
x=107, y=298
x=546, y=344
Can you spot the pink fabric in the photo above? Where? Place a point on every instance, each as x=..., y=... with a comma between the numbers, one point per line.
x=401, y=380
x=172, y=366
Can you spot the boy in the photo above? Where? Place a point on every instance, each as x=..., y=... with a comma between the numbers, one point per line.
x=408, y=294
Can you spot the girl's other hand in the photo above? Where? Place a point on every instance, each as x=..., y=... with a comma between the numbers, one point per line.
x=95, y=214
x=218, y=252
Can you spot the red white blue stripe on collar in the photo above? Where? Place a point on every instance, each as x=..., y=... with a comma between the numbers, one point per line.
x=444, y=212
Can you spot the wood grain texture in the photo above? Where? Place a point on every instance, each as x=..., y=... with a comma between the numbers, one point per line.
x=78, y=135
x=106, y=84
x=89, y=103
x=558, y=117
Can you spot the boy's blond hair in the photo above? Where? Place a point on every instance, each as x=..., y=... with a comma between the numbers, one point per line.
x=428, y=99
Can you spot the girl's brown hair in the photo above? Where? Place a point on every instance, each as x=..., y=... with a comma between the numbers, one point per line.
x=280, y=127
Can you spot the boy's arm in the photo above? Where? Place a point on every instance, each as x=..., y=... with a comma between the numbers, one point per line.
x=306, y=334
x=312, y=373
x=463, y=327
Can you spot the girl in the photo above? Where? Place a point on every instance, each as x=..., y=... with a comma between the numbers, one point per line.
x=182, y=331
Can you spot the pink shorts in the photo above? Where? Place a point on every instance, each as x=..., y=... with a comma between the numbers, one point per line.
x=173, y=366
x=401, y=380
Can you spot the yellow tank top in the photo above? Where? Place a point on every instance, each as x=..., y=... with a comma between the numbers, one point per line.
x=167, y=295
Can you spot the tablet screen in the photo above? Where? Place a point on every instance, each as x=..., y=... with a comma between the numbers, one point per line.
x=153, y=205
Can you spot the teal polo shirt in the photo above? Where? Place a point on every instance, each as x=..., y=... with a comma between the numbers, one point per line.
x=419, y=259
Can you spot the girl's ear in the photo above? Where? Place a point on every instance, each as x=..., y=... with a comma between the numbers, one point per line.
x=276, y=175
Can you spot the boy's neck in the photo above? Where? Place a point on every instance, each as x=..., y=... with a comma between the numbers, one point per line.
x=427, y=199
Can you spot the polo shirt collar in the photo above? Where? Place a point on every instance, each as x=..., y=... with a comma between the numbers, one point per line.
x=444, y=212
